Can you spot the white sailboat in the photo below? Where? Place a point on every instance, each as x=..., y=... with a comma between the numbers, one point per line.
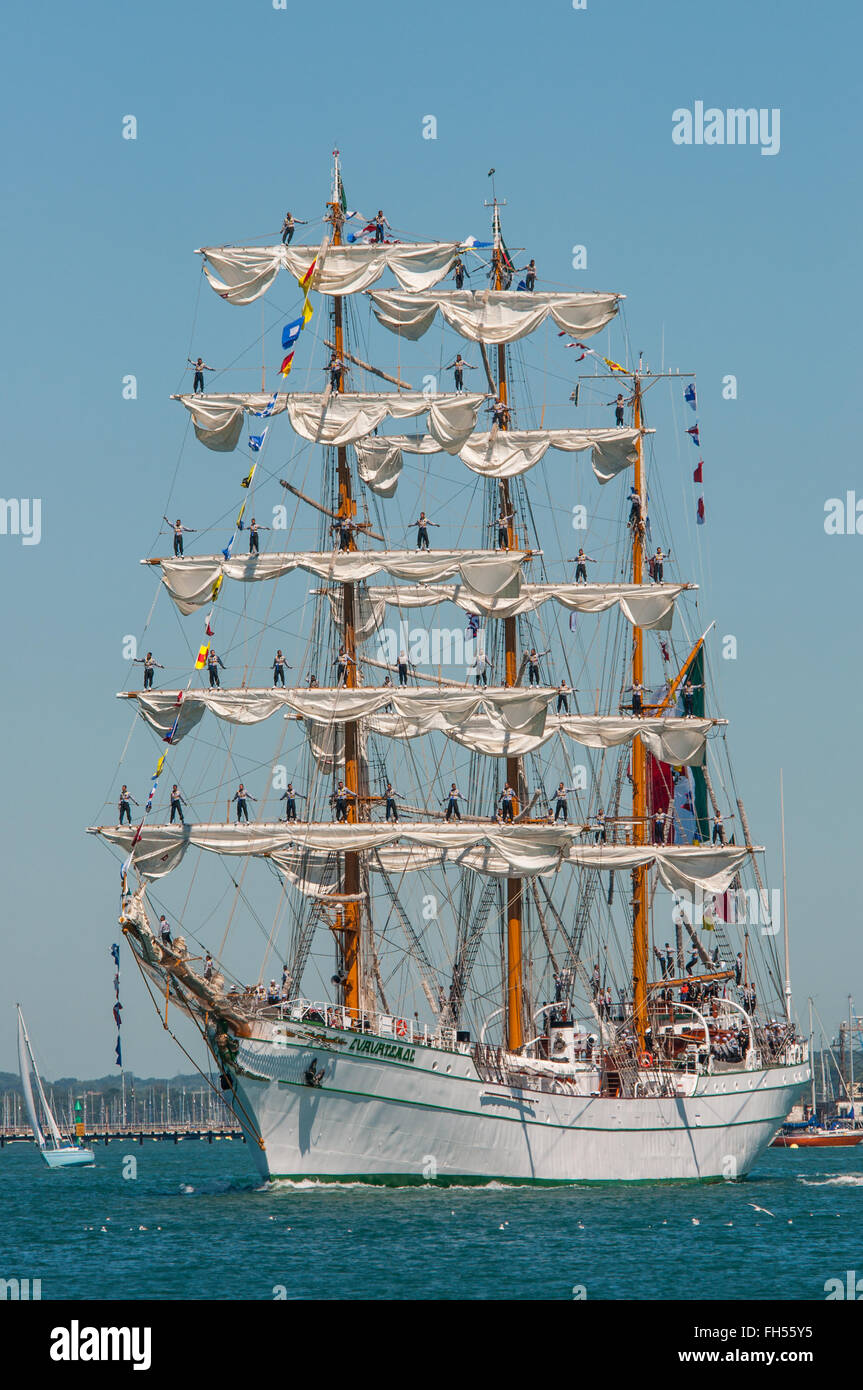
x=674, y=1076
x=57, y=1149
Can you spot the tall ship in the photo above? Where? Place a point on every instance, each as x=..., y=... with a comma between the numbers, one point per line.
x=510, y=921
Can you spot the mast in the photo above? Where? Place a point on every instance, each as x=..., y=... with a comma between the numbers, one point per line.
x=811, y=1056
x=785, y=904
x=639, y=765
x=348, y=919
x=514, y=900
x=851, y=1055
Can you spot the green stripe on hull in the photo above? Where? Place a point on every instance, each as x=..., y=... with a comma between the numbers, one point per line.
x=469, y=1180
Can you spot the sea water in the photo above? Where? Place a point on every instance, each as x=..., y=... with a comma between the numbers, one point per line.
x=193, y=1221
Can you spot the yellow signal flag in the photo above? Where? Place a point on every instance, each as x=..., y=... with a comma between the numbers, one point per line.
x=240, y=517
x=247, y=481
x=307, y=278
x=307, y=311
x=615, y=366
x=214, y=592
x=159, y=765
x=202, y=655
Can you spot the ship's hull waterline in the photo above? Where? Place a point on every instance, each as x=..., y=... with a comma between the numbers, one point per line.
x=431, y=1117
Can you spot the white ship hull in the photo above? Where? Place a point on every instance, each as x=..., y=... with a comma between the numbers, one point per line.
x=433, y=1117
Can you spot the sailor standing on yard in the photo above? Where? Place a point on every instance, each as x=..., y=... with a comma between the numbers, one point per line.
x=452, y=801
x=345, y=528
x=254, y=528
x=290, y=796
x=342, y=662
x=656, y=564
x=480, y=667
x=688, y=695
x=200, y=367
x=339, y=799
x=507, y=802
x=279, y=667
x=561, y=808
x=718, y=829
x=530, y=276
x=337, y=368
x=380, y=223
x=179, y=530
x=213, y=664
x=458, y=366
x=618, y=408
x=402, y=668
x=241, y=796
x=637, y=698
x=533, y=665
x=563, y=698
x=502, y=524
x=177, y=804
x=390, y=798
x=148, y=664
x=581, y=563
x=422, y=524
x=125, y=799
x=289, y=226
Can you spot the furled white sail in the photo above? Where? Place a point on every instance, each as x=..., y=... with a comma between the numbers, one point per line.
x=494, y=316
x=379, y=463
x=433, y=709
x=500, y=721
x=368, y=611
x=334, y=418
x=506, y=453
x=487, y=572
x=668, y=737
x=648, y=605
x=484, y=733
x=240, y=274
x=324, y=417
x=482, y=846
x=526, y=848
x=218, y=418
x=682, y=868
x=671, y=740
x=498, y=453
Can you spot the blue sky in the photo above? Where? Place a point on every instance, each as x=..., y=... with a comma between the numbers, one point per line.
x=733, y=263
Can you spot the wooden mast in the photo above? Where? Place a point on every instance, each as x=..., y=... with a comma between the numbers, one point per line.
x=639, y=764
x=349, y=918
x=514, y=899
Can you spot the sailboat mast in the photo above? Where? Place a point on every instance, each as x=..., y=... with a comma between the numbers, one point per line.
x=349, y=918
x=785, y=902
x=812, y=1055
x=514, y=899
x=639, y=765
